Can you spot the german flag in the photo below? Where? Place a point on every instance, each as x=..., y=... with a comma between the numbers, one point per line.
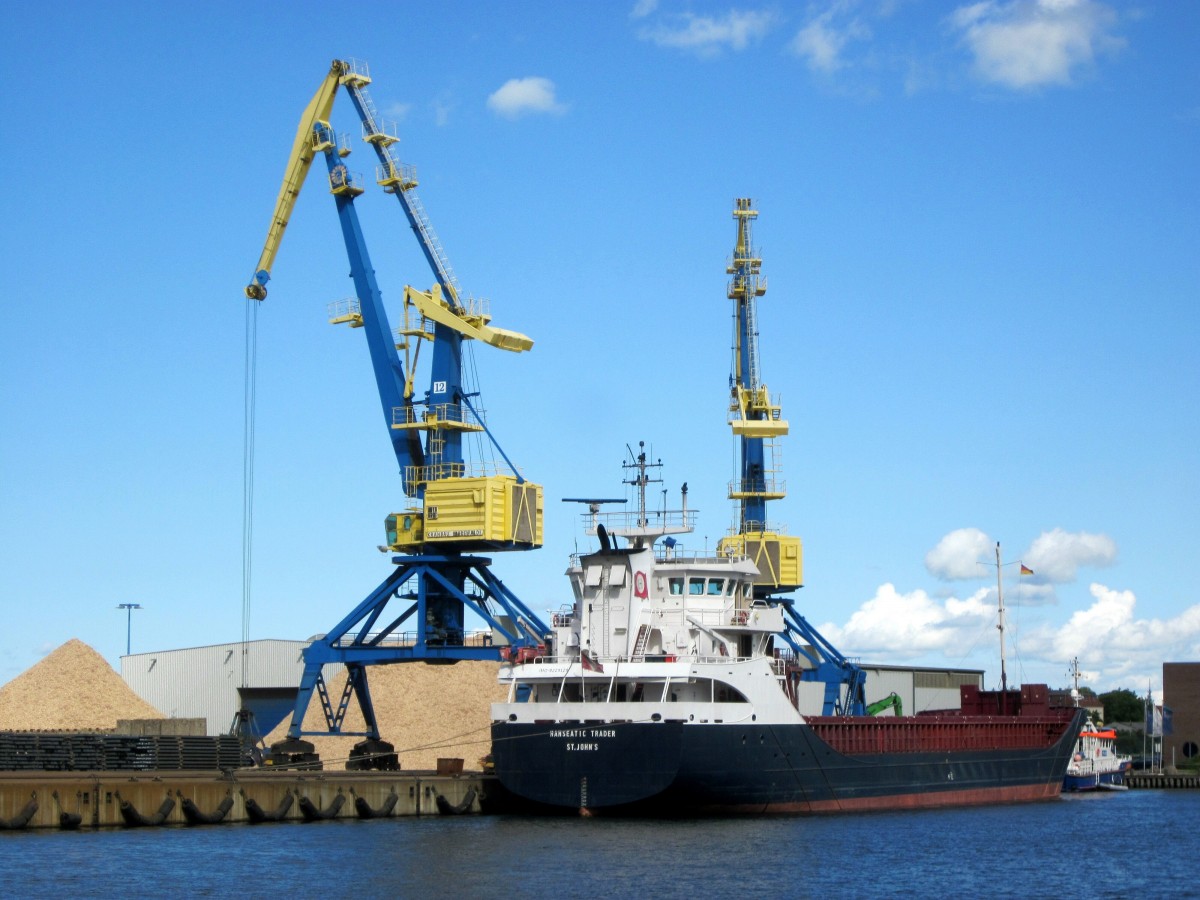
x=1025, y=570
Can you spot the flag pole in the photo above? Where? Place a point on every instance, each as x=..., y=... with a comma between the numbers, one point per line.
x=1000, y=598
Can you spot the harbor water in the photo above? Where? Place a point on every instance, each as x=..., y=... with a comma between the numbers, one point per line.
x=1132, y=844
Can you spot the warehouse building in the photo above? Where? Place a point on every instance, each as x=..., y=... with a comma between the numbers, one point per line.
x=217, y=681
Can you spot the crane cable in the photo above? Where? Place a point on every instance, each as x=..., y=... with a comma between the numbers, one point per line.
x=248, y=413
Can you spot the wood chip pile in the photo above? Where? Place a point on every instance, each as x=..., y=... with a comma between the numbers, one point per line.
x=426, y=711
x=72, y=689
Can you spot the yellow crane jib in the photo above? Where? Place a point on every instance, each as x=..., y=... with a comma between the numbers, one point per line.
x=433, y=307
x=303, y=152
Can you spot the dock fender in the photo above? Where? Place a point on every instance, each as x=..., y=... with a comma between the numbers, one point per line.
x=193, y=816
x=446, y=808
x=312, y=813
x=365, y=810
x=21, y=819
x=256, y=814
x=66, y=821
x=135, y=819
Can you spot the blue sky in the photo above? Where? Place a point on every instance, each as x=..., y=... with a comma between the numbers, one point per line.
x=979, y=224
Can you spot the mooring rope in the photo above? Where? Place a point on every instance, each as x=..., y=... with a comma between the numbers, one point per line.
x=248, y=412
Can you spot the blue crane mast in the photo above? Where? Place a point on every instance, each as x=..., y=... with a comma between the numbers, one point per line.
x=452, y=512
x=756, y=420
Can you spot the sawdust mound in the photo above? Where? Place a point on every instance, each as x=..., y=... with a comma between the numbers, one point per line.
x=72, y=689
x=427, y=711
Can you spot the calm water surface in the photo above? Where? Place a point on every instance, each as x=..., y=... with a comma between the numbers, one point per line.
x=1143, y=844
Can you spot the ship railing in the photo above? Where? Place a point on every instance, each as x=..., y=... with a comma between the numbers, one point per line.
x=609, y=664
x=632, y=519
x=729, y=614
x=482, y=638
x=677, y=554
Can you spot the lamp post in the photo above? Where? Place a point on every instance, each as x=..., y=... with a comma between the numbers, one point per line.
x=129, y=608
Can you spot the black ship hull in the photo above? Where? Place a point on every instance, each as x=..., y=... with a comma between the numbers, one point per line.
x=673, y=768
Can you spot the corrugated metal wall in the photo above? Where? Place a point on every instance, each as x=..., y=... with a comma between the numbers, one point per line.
x=203, y=682
x=919, y=689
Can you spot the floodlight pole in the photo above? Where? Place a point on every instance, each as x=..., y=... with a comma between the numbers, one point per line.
x=129, y=608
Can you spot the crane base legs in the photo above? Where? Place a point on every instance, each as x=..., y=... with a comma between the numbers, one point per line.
x=373, y=754
x=294, y=753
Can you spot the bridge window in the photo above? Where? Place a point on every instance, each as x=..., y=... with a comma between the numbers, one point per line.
x=676, y=585
x=696, y=586
x=716, y=586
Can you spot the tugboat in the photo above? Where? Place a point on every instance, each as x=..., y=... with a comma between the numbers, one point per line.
x=679, y=683
x=1095, y=763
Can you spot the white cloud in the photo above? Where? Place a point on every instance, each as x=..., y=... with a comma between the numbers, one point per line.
x=643, y=8
x=1056, y=555
x=1024, y=44
x=1114, y=646
x=444, y=105
x=398, y=111
x=707, y=35
x=520, y=96
x=959, y=554
x=821, y=41
x=893, y=625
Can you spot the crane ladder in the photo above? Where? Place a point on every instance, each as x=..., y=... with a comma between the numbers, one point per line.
x=405, y=191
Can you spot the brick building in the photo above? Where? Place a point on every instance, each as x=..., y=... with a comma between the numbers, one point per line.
x=1181, y=694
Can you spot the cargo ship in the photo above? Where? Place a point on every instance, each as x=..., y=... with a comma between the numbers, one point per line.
x=678, y=683
x=670, y=688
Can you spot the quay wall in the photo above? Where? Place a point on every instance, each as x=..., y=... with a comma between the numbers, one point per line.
x=1154, y=780
x=96, y=798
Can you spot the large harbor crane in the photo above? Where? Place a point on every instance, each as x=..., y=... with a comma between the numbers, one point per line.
x=757, y=420
x=455, y=508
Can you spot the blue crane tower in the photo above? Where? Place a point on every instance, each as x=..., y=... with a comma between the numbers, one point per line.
x=757, y=421
x=454, y=509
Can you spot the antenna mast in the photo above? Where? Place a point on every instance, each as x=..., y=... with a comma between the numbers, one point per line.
x=1000, y=625
x=641, y=479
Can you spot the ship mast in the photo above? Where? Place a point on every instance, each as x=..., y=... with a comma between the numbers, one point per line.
x=639, y=465
x=1000, y=624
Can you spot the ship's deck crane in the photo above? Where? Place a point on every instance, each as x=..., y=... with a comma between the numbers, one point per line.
x=418, y=612
x=756, y=419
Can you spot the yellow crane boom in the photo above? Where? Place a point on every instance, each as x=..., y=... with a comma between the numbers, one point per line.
x=299, y=162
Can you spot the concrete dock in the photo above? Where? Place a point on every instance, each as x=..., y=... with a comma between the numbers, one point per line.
x=1162, y=781
x=148, y=799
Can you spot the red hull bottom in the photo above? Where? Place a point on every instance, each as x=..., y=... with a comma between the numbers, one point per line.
x=974, y=797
